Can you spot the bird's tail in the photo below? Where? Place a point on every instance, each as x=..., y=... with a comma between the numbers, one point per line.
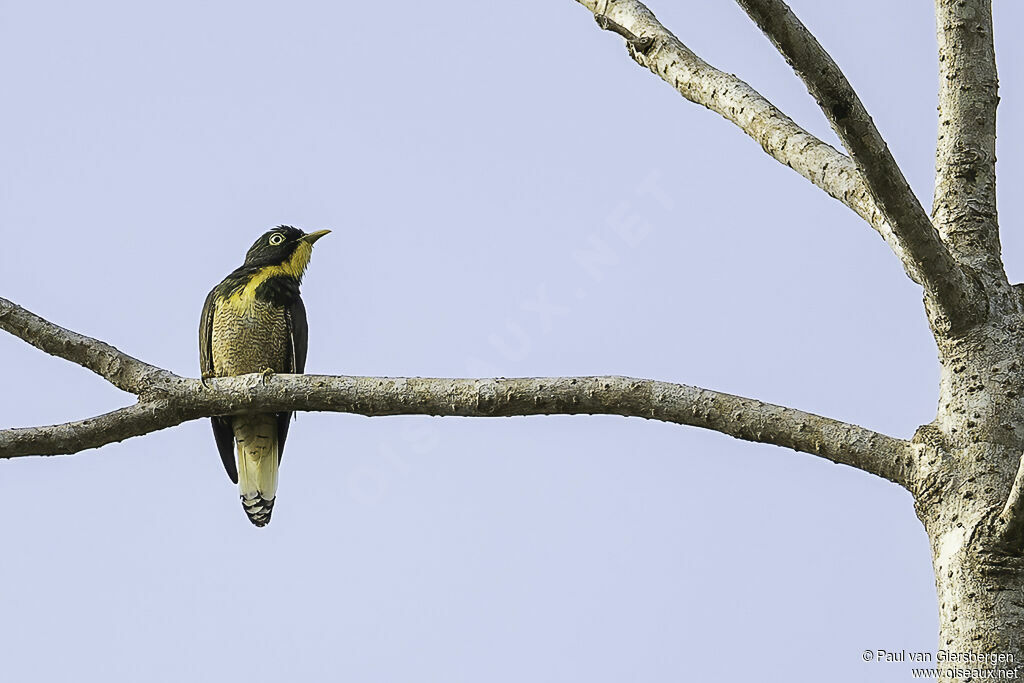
x=258, y=459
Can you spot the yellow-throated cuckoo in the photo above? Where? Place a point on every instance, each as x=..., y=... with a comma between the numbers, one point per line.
x=254, y=321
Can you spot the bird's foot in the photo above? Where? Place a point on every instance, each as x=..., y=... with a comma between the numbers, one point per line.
x=266, y=375
x=203, y=377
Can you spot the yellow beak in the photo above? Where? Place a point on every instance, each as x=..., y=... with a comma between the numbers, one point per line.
x=314, y=236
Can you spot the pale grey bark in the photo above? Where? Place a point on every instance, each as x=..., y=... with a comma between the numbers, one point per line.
x=655, y=47
x=165, y=400
x=944, y=280
x=965, y=157
x=120, y=369
x=870, y=183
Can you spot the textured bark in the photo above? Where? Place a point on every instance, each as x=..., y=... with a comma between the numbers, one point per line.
x=656, y=48
x=954, y=295
x=970, y=504
x=124, y=372
x=870, y=183
x=965, y=157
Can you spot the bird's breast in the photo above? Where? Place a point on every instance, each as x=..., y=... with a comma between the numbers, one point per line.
x=249, y=335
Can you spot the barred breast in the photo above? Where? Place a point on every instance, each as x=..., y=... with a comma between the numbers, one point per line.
x=248, y=338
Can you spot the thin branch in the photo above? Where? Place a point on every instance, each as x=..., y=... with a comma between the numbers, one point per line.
x=124, y=372
x=725, y=94
x=949, y=290
x=71, y=437
x=965, y=179
x=945, y=282
x=171, y=400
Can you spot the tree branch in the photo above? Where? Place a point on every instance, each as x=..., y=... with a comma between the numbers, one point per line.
x=725, y=94
x=732, y=98
x=944, y=281
x=965, y=179
x=71, y=437
x=739, y=417
x=919, y=248
x=171, y=400
x=124, y=372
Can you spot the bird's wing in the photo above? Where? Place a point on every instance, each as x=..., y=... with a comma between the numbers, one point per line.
x=298, y=330
x=222, y=431
x=206, y=336
x=298, y=336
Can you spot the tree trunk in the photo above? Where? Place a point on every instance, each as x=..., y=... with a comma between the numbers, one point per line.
x=980, y=593
x=979, y=435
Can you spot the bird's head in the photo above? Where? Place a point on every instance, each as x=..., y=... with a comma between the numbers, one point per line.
x=283, y=247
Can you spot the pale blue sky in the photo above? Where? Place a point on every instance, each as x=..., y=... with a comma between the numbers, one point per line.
x=466, y=157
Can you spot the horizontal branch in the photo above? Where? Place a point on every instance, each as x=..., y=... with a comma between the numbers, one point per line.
x=167, y=400
x=944, y=281
x=654, y=46
x=743, y=418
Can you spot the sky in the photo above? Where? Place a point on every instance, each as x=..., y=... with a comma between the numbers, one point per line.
x=471, y=161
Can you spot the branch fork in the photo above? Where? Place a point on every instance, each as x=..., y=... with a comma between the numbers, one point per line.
x=868, y=180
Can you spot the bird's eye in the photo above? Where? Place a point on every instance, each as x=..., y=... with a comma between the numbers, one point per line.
x=276, y=239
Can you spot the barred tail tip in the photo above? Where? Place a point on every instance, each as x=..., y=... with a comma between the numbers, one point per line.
x=258, y=509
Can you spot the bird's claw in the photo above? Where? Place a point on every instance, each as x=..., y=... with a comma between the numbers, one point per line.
x=203, y=377
x=266, y=375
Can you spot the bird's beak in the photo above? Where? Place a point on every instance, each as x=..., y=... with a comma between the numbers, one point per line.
x=314, y=236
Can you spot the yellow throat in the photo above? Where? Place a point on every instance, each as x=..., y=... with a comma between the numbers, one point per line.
x=295, y=266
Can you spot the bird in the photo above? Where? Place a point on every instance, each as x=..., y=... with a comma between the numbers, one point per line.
x=254, y=321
